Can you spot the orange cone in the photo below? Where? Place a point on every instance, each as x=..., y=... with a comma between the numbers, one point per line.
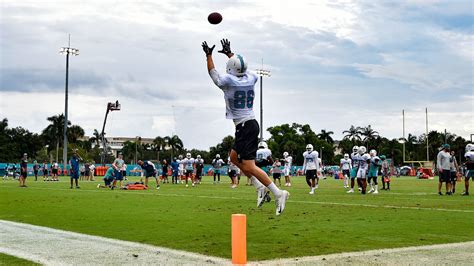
x=239, y=239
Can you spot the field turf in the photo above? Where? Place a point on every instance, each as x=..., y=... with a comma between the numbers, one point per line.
x=10, y=260
x=198, y=219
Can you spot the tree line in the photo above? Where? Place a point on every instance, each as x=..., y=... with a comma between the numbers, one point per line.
x=47, y=145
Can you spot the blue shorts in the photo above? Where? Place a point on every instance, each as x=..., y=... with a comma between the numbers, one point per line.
x=108, y=181
x=354, y=172
x=75, y=175
x=118, y=175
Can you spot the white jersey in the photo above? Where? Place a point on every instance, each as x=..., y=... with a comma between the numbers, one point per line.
x=188, y=163
x=363, y=161
x=263, y=154
x=239, y=94
x=181, y=164
x=232, y=166
x=288, y=162
x=91, y=168
x=217, y=163
x=311, y=161
x=355, y=159
x=346, y=164
x=443, y=160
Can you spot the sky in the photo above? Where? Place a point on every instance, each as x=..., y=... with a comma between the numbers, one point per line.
x=333, y=64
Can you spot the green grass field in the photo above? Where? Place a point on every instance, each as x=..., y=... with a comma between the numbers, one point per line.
x=198, y=219
x=10, y=260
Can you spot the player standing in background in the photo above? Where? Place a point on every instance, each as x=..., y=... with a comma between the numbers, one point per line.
x=346, y=165
x=264, y=157
x=238, y=86
x=36, y=168
x=199, y=162
x=385, y=172
x=54, y=171
x=45, y=171
x=175, y=171
x=117, y=165
x=123, y=170
x=217, y=165
x=364, y=161
x=311, y=167
x=276, y=172
x=23, y=170
x=454, y=171
x=469, y=174
x=181, y=168
x=288, y=160
x=150, y=171
x=355, y=167
x=444, y=169
x=233, y=170
x=188, y=163
x=164, y=171
x=374, y=172
x=74, y=169
x=91, y=171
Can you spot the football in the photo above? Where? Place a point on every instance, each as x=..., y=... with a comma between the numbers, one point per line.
x=214, y=18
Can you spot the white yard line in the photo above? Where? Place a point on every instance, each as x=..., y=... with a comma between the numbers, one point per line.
x=57, y=247
x=290, y=201
x=443, y=254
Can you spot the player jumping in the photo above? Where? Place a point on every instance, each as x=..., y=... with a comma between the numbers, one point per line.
x=238, y=86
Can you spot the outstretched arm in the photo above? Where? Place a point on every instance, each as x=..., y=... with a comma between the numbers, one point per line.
x=226, y=48
x=208, y=51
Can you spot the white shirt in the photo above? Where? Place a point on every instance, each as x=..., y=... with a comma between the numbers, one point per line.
x=311, y=161
x=232, y=166
x=92, y=167
x=239, y=94
x=355, y=159
x=181, y=164
x=288, y=162
x=217, y=163
x=363, y=161
x=443, y=160
x=188, y=163
x=346, y=164
x=263, y=154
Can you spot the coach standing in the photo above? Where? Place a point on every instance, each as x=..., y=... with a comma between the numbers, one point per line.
x=443, y=163
x=74, y=168
x=23, y=170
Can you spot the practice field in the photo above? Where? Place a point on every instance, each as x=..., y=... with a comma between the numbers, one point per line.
x=198, y=219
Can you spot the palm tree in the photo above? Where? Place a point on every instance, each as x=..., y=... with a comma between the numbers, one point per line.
x=353, y=134
x=158, y=144
x=175, y=143
x=96, y=137
x=368, y=133
x=75, y=132
x=326, y=136
x=53, y=133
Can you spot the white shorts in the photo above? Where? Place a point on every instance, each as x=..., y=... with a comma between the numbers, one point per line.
x=286, y=171
x=181, y=171
x=362, y=173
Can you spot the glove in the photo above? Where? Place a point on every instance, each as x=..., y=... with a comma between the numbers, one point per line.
x=225, y=47
x=207, y=49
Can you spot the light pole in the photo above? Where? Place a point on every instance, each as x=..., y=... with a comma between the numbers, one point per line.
x=262, y=72
x=67, y=51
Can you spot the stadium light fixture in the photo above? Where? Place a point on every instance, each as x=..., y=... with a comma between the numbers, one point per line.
x=75, y=52
x=262, y=73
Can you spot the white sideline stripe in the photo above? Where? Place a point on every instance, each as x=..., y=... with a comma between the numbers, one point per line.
x=57, y=247
x=293, y=201
x=439, y=254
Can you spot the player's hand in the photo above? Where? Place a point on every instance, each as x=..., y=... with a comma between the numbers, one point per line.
x=225, y=47
x=207, y=49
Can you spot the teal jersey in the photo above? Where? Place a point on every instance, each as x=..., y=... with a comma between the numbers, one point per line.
x=109, y=173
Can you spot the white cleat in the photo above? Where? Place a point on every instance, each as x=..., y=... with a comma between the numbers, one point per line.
x=157, y=188
x=311, y=192
x=260, y=197
x=281, y=201
x=98, y=185
x=317, y=186
x=186, y=185
x=289, y=184
x=233, y=186
x=376, y=192
x=360, y=189
x=370, y=191
x=351, y=191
